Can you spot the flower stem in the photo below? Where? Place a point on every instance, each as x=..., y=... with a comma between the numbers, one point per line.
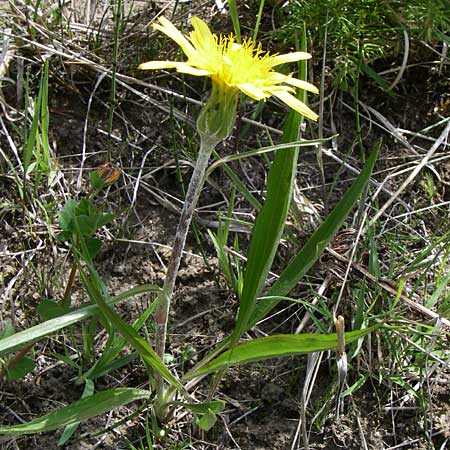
x=162, y=310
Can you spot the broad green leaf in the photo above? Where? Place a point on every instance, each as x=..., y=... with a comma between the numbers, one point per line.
x=67, y=214
x=96, y=181
x=93, y=246
x=8, y=330
x=23, y=367
x=78, y=411
x=68, y=432
x=16, y=341
x=206, y=413
x=49, y=309
x=275, y=347
x=216, y=406
x=88, y=225
x=206, y=421
x=85, y=208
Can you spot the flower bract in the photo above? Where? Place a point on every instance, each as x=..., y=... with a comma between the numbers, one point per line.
x=241, y=67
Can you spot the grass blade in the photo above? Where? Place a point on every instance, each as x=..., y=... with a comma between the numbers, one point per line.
x=78, y=411
x=269, y=224
x=235, y=19
x=311, y=251
x=16, y=341
x=70, y=429
x=278, y=346
x=97, y=290
x=33, y=132
x=307, y=256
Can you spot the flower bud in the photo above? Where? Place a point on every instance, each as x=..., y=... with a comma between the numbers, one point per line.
x=217, y=117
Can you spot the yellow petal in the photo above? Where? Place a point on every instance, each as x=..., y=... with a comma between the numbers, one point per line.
x=166, y=27
x=202, y=36
x=302, y=85
x=279, y=88
x=155, y=65
x=186, y=68
x=181, y=67
x=275, y=78
x=252, y=91
x=296, y=105
x=288, y=57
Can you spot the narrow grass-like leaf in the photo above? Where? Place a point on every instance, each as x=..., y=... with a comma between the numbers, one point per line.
x=70, y=429
x=32, y=134
x=18, y=340
x=289, y=145
x=312, y=250
x=379, y=80
x=437, y=293
x=78, y=411
x=277, y=346
x=271, y=219
x=306, y=257
x=114, y=347
x=240, y=186
x=258, y=19
x=96, y=290
x=45, y=120
x=235, y=19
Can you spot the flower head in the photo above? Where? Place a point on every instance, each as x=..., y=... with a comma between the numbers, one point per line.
x=238, y=67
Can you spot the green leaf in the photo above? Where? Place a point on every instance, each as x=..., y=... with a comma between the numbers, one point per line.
x=306, y=257
x=315, y=246
x=96, y=289
x=31, y=138
x=96, y=181
x=70, y=429
x=275, y=347
x=379, y=80
x=437, y=293
x=49, y=309
x=85, y=208
x=270, y=222
x=8, y=330
x=93, y=246
x=114, y=346
x=86, y=225
x=205, y=412
x=216, y=406
x=78, y=411
x=16, y=341
x=23, y=367
x=206, y=421
x=67, y=214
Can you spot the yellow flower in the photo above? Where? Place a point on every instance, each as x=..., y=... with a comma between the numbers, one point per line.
x=240, y=67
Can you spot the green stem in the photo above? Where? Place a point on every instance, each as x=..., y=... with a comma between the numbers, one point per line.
x=164, y=299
